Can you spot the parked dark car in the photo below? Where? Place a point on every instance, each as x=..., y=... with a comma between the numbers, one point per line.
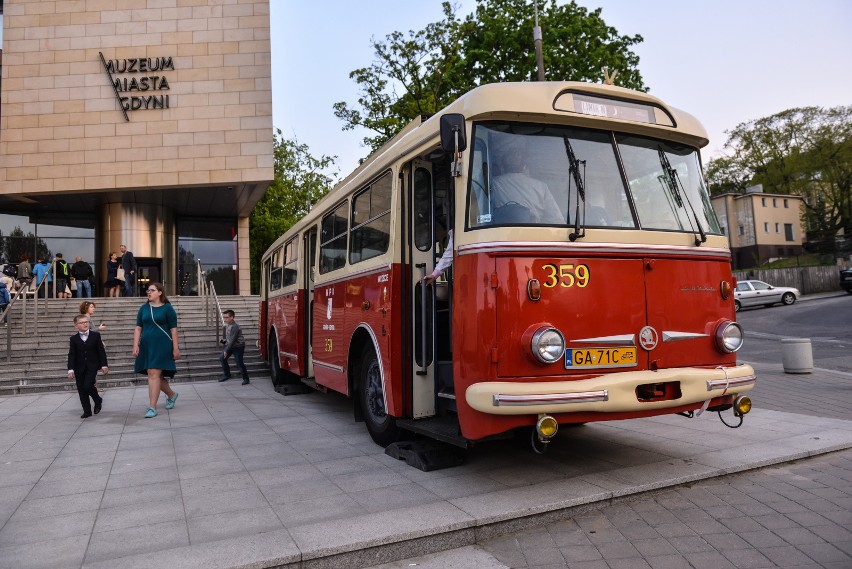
x=846, y=280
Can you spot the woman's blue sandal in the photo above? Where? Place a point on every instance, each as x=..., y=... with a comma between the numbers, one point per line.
x=170, y=401
x=151, y=413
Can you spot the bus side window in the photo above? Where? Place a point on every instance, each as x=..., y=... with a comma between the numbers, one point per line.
x=333, y=239
x=371, y=221
x=276, y=270
x=291, y=258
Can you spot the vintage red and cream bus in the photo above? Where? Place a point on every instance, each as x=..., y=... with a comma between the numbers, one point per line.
x=590, y=279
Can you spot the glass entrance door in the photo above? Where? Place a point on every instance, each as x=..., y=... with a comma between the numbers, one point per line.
x=148, y=270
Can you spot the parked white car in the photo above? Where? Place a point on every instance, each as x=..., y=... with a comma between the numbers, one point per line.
x=755, y=293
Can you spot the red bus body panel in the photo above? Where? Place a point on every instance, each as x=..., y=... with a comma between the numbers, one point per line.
x=621, y=296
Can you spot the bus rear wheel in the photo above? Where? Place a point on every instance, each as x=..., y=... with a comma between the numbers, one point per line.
x=381, y=426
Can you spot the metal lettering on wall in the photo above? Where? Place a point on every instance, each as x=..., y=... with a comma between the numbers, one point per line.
x=134, y=79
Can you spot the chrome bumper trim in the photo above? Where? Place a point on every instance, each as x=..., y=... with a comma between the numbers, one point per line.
x=550, y=398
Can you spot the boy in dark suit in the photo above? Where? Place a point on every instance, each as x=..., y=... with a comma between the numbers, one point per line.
x=86, y=356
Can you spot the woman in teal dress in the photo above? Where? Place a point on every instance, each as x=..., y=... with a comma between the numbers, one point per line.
x=155, y=346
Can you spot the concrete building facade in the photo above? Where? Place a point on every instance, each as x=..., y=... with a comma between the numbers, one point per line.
x=138, y=122
x=760, y=226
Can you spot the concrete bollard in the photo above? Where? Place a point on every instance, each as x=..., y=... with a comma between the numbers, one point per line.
x=797, y=355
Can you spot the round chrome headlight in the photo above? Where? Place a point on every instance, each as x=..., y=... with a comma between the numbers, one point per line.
x=548, y=345
x=729, y=337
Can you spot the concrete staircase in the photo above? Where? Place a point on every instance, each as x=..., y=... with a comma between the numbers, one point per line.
x=39, y=358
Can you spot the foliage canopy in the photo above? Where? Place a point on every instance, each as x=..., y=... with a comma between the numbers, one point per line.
x=805, y=151
x=300, y=181
x=423, y=71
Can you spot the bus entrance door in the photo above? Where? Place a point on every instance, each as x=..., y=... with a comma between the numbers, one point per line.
x=309, y=259
x=422, y=306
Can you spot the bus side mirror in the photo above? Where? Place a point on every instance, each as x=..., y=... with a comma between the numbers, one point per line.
x=453, y=140
x=452, y=125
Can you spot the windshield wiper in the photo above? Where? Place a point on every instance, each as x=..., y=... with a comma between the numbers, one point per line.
x=574, y=170
x=675, y=186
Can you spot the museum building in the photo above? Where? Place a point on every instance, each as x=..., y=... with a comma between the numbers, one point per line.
x=138, y=122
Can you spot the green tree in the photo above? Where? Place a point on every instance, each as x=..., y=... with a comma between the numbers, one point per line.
x=300, y=181
x=423, y=71
x=804, y=151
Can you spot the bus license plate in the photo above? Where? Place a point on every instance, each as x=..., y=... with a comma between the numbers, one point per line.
x=600, y=357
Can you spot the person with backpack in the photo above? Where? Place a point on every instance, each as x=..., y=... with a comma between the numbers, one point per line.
x=25, y=271
x=82, y=272
x=63, y=277
x=5, y=299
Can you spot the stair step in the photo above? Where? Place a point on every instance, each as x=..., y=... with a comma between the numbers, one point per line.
x=28, y=373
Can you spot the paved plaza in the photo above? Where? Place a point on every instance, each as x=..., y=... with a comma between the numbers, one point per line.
x=240, y=476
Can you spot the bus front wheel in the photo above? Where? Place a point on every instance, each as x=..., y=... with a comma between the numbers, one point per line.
x=275, y=372
x=381, y=426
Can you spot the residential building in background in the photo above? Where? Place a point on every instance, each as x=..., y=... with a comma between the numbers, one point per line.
x=145, y=124
x=760, y=226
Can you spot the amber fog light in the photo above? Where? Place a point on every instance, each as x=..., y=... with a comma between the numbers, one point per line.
x=742, y=405
x=546, y=427
x=725, y=290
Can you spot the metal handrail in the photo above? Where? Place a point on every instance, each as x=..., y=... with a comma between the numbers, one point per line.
x=21, y=292
x=221, y=324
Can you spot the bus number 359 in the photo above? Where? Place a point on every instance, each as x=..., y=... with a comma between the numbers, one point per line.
x=566, y=275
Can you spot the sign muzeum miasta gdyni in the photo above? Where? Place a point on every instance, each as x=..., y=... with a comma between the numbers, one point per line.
x=139, y=82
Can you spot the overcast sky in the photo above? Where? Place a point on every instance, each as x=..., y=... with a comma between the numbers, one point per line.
x=724, y=61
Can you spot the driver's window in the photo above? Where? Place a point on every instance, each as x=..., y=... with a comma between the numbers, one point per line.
x=760, y=286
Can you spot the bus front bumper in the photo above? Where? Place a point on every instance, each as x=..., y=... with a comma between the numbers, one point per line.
x=609, y=393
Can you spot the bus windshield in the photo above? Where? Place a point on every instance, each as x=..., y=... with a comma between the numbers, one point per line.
x=535, y=175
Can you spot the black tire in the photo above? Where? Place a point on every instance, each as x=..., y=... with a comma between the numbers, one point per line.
x=737, y=306
x=381, y=426
x=788, y=298
x=275, y=372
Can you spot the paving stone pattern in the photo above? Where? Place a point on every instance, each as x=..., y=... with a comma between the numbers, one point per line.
x=239, y=476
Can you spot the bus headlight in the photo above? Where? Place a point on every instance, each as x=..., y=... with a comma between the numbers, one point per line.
x=548, y=345
x=729, y=337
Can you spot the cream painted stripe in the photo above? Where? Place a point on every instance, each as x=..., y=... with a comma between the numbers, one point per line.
x=521, y=246
x=354, y=275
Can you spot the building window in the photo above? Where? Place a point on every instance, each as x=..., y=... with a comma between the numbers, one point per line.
x=766, y=227
x=786, y=204
x=788, y=231
x=763, y=202
x=741, y=230
x=774, y=202
x=777, y=228
x=213, y=241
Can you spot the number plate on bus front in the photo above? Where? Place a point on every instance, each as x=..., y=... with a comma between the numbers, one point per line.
x=600, y=357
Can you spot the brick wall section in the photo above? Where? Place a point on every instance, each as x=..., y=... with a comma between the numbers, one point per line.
x=61, y=127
